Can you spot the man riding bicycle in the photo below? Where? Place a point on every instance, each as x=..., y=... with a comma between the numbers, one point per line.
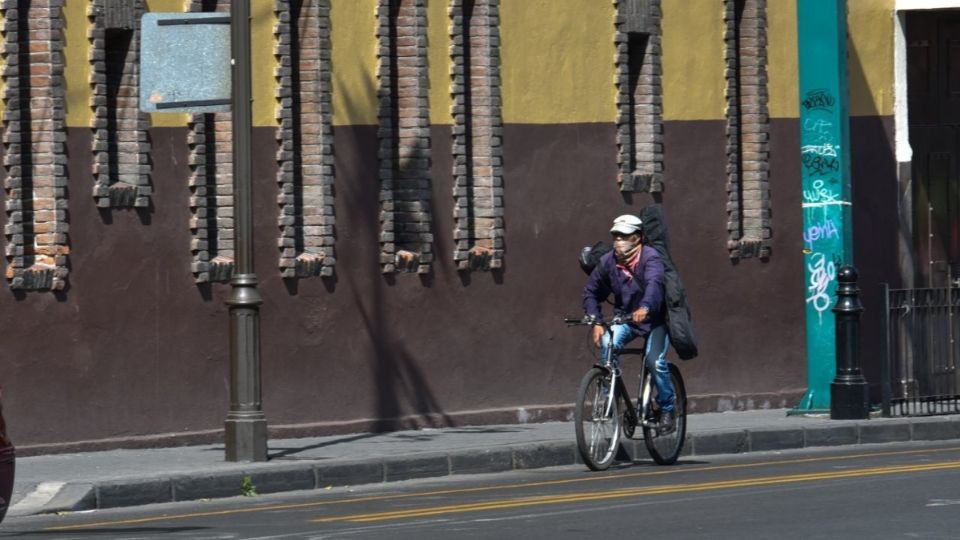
x=633, y=273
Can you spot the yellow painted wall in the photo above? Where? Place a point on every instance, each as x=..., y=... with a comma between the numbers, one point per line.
x=438, y=60
x=870, y=23
x=782, y=61
x=262, y=52
x=166, y=5
x=353, y=43
x=76, y=62
x=693, y=65
x=693, y=74
x=76, y=59
x=870, y=58
x=557, y=61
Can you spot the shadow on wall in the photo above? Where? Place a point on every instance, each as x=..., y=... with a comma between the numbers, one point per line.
x=399, y=380
x=876, y=227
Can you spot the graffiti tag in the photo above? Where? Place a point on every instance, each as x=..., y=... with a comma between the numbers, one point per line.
x=822, y=274
x=818, y=99
x=825, y=149
x=818, y=126
x=825, y=230
x=821, y=196
x=820, y=165
x=817, y=132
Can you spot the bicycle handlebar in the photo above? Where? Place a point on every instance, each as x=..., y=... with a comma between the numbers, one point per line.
x=591, y=321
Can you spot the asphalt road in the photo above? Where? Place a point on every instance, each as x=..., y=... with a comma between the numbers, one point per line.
x=909, y=490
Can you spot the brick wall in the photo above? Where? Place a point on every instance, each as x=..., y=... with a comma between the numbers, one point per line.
x=34, y=140
x=121, y=149
x=406, y=240
x=639, y=102
x=477, y=133
x=748, y=128
x=305, y=156
x=211, y=185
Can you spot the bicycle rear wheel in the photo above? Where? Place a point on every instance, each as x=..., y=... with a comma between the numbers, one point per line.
x=597, y=420
x=665, y=448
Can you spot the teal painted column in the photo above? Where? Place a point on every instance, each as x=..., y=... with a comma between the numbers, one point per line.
x=825, y=168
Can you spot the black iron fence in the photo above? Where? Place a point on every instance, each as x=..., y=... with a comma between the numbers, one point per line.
x=922, y=349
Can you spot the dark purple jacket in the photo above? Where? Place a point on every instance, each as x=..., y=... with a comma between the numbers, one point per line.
x=645, y=289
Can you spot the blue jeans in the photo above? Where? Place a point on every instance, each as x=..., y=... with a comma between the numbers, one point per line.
x=654, y=358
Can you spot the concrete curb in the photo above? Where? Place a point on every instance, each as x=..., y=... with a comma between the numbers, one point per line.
x=307, y=475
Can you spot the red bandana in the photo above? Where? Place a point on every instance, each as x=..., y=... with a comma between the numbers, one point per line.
x=631, y=265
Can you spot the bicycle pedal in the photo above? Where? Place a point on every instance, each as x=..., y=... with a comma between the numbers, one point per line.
x=629, y=425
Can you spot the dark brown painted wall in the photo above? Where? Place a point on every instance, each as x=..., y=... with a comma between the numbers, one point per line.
x=135, y=348
x=131, y=347
x=875, y=230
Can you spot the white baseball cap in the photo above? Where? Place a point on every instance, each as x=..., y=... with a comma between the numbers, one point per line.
x=626, y=224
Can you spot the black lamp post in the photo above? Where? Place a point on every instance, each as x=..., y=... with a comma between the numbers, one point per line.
x=848, y=392
x=246, y=425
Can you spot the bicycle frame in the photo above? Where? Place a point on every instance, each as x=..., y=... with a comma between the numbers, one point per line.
x=599, y=420
x=634, y=416
x=637, y=416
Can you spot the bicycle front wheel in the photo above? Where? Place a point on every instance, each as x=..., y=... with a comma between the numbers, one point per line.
x=665, y=448
x=597, y=420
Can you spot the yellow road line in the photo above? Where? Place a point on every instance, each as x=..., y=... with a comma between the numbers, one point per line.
x=626, y=493
x=615, y=475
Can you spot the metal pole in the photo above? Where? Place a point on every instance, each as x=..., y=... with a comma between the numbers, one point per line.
x=848, y=392
x=246, y=425
x=826, y=178
x=886, y=390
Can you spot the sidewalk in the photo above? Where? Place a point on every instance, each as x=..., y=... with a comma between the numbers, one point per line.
x=70, y=482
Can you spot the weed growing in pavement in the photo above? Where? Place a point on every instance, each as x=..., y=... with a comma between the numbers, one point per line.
x=247, y=487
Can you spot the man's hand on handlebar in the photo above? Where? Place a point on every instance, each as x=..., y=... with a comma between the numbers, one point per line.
x=600, y=326
x=597, y=334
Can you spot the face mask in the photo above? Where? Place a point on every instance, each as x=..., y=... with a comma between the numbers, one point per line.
x=624, y=247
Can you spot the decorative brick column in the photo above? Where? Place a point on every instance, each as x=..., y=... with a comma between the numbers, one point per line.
x=406, y=240
x=34, y=145
x=748, y=129
x=306, y=142
x=477, y=134
x=121, y=148
x=640, y=101
x=211, y=185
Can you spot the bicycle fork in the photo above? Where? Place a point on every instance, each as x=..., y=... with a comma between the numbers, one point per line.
x=649, y=416
x=631, y=416
x=617, y=387
x=611, y=393
x=642, y=413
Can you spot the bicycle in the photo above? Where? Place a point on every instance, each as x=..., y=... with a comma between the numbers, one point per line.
x=597, y=418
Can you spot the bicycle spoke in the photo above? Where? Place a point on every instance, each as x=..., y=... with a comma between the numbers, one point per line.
x=665, y=448
x=597, y=420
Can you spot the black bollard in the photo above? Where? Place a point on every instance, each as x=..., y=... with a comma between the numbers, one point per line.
x=848, y=392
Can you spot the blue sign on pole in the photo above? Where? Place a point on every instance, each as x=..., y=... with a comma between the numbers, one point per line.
x=185, y=62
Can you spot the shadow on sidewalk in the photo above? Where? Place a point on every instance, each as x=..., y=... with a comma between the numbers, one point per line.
x=431, y=434
x=282, y=453
x=400, y=438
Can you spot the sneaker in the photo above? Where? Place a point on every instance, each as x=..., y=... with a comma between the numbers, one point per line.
x=668, y=422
